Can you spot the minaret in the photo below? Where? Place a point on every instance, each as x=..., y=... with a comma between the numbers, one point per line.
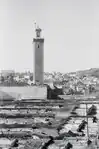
x=38, y=43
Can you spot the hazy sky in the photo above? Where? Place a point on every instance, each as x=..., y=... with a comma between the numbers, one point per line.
x=70, y=29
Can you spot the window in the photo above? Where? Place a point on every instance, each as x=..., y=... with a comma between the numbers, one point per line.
x=38, y=45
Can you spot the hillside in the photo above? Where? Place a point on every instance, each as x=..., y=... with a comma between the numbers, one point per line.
x=89, y=72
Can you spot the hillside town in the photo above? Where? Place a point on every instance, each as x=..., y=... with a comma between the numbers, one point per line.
x=71, y=83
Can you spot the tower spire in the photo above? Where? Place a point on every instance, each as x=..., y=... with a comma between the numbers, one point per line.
x=38, y=32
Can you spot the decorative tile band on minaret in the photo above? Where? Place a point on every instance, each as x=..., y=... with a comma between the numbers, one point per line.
x=38, y=43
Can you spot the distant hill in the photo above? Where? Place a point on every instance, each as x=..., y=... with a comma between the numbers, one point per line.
x=90, y=72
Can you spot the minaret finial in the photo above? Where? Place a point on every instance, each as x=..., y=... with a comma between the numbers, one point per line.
x=38, y=31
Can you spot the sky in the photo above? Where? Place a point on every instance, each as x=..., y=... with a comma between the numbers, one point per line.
x=70, y=29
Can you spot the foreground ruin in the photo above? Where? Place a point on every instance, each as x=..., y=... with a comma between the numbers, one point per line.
x=33, y=122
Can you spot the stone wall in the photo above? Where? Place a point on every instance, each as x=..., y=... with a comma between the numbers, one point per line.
x=33, y=92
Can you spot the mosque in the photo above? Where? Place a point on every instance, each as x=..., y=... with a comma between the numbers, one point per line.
x=39, y=90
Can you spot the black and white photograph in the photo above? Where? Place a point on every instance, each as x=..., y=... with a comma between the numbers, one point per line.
x=49, y=74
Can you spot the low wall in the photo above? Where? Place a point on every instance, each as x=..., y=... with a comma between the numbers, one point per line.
x=31, y=92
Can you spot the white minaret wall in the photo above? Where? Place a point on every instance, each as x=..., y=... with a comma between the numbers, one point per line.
x=38, y=49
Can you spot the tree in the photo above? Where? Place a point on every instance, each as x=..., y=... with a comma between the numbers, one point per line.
x=31, y=78
x=2, y=79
